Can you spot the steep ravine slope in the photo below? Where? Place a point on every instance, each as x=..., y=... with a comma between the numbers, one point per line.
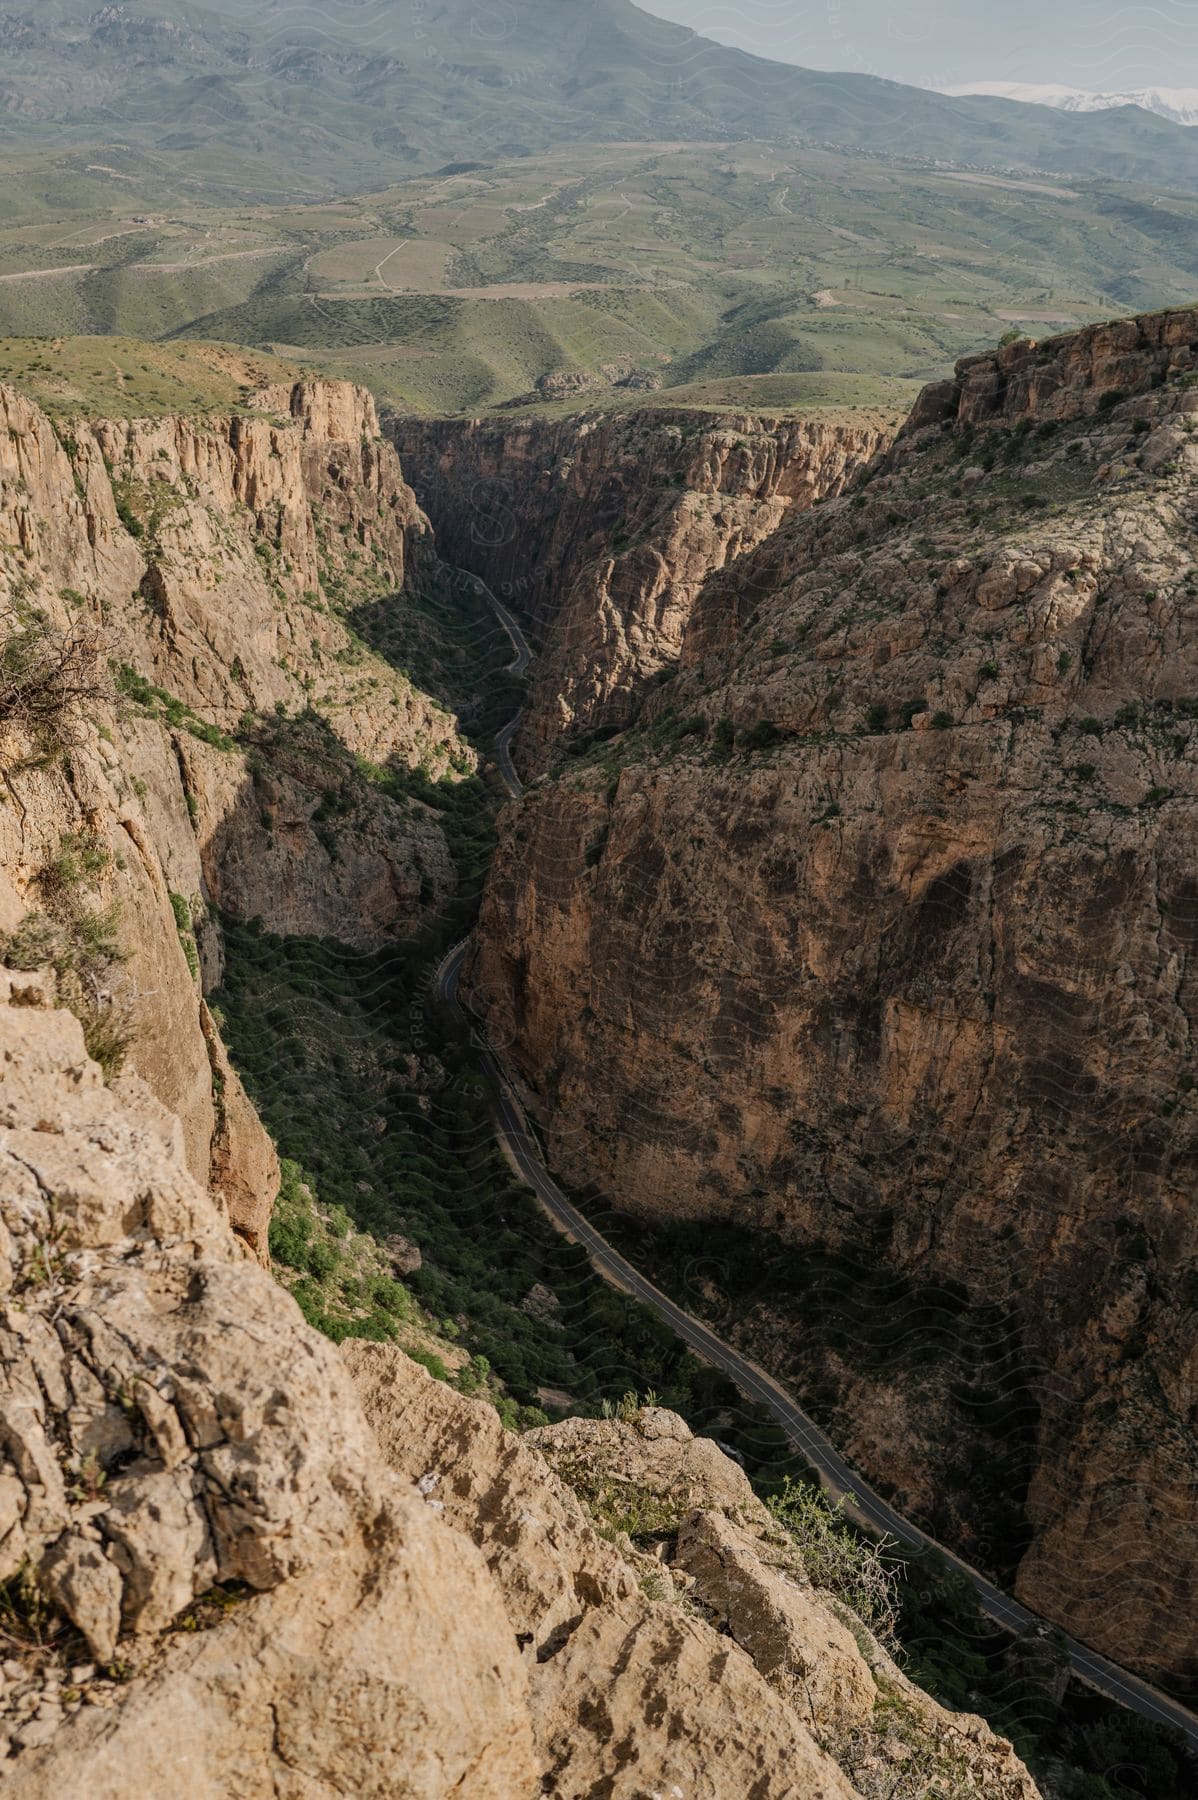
x=214, y=1582
x=205, y=747
x=599, y=530
x=209, y=1579
x=875, y=935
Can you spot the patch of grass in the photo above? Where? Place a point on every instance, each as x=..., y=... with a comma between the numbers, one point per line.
x=158, y=704
x=181, y=907
x=81, y=945
x=127, y=377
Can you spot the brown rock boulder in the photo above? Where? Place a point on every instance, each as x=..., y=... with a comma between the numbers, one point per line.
x=185, y=1473
x=628, y=1695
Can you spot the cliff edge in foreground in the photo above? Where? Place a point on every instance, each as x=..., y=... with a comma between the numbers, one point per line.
x=215, y=1584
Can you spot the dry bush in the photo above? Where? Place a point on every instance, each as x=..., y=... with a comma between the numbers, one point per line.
x=48, y=679
x=838, y=1559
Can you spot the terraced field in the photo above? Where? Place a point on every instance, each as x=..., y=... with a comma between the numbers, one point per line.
x=727, y=274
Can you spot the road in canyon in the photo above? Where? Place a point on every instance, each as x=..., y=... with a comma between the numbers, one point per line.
x=837, y=1475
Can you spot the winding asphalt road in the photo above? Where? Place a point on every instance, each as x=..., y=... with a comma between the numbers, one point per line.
x=837, y=1476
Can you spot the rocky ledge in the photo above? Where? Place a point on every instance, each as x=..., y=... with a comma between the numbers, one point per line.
x=219, y=1580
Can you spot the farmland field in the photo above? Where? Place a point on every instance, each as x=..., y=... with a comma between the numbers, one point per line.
x=715, y=274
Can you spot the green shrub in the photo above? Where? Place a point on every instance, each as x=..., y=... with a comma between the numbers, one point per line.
x=183, y=925
x=79, y=861
x=322, y=1260
x=762, y=736
x=80, y=943
x=125, y=512
x=834, y=1557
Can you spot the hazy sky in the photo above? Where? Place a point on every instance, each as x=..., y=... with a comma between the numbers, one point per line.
x=1086, y=43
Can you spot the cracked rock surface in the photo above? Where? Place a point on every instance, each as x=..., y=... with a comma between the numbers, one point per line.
x=255, y=1605
x=742, y=1680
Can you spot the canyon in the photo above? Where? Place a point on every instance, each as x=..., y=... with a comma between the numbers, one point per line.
x=600, y=531
x=840, y=945
x=230, y=1557
x=871, y=935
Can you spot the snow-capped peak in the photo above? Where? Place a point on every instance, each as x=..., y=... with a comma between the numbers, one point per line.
x=1177, y=104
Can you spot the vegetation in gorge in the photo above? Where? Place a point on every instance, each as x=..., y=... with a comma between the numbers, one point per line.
x=377, y=1100
x=381, y=1106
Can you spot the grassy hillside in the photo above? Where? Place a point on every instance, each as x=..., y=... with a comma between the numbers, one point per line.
x=121, y=378
x=743, y=273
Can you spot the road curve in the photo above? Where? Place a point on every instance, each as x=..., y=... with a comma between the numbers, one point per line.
x=838, y=1476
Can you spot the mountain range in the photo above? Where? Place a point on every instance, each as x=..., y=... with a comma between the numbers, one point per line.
x=1180, y=105
x=273, y=99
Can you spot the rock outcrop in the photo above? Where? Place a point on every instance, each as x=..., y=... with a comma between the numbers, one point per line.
x=600, y=531
x=215, y=1583
x=745, y=1680
x=186, y=1476
x=877, y=933
x=214, y=564
x=1063, y=378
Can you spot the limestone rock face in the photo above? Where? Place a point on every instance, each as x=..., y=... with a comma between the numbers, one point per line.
x=627, y=1696
x=1064, y=377
x=601, y=530
x=892, y=953
x=121, y=795
x=211, y=561
x=169, y=1430
x=745, y=1681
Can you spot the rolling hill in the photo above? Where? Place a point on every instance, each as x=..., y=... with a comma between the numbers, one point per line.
x=745, y=274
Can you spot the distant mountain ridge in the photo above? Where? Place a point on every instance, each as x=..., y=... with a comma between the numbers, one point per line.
x=273, y=99
x=1179, y=105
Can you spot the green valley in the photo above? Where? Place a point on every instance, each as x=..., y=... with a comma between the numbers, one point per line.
x=742, y=274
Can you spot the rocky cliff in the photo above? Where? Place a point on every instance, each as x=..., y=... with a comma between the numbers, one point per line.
x=217, y=1579
x=256, y=1607
x=194, y=578
x=1062, y=378
x=600, y=531
x=876, y=934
